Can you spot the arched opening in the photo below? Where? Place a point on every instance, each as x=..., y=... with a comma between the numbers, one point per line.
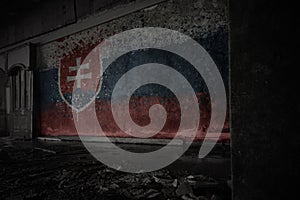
x=19, y=106
x=17, y=85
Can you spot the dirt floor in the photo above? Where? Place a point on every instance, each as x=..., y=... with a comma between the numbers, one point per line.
x=65, y=170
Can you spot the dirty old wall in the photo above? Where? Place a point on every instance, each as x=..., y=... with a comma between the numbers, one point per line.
x=29, y=19
x=204, y=21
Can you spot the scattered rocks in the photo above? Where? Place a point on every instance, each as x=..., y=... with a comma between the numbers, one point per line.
x=184, y=188
x=71, y=173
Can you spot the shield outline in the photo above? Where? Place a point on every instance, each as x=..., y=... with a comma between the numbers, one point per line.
x=93, y=98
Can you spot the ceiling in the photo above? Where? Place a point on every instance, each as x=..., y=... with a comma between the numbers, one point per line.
x=11, y=9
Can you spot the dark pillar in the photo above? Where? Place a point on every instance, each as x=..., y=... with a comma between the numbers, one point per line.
x=265, y=116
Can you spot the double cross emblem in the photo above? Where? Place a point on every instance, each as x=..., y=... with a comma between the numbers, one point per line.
x=77, y=78
x=78, y=82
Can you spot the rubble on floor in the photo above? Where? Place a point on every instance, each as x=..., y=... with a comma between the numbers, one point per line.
x=70, y=172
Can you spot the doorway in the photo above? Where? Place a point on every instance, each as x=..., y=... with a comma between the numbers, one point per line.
x=19, y=106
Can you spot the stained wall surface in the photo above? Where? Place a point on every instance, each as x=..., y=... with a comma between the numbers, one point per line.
x=204, y=21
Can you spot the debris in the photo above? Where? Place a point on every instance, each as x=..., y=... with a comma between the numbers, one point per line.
x=45, y=150
x=103, y=189
x=153, y=195
x=206, y=184
x=175, y=183
x=229, y=183
x=168, y=192
x=202, y=198
x=164, y=182
x=184, y=188
x=156, y=179
x=114, y=186
x=71, y=173
x=138, y=193
x=186, y=197
x=49, y=139
x=191, y=181
x=199, y=177
x=150, y=8
x=215, y=197
x=200, y=181
x=190, y=177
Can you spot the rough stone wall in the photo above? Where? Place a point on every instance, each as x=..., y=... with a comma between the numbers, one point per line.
x=204, y=21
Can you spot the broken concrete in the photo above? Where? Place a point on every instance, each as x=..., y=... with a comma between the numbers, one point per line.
x=65, y=170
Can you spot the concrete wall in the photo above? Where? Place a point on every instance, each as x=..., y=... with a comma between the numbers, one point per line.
x=37, y=19
x=265, y=101
x=204, y=21
x=34, y=18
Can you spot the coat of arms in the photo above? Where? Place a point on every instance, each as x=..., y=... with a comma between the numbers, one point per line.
x=79, y=79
